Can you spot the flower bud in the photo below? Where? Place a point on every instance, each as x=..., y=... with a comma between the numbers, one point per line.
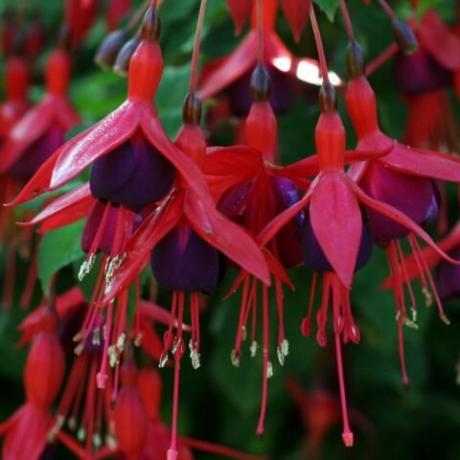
x=404, y=36
x=44, y=370
x=124, y=56
x=109, y=48
x=131, y=422
x=151, y=27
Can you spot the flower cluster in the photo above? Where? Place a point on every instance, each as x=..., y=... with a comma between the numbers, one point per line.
x=176, y=215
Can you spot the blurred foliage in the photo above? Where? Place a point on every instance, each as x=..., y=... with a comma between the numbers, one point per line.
x=220, y=402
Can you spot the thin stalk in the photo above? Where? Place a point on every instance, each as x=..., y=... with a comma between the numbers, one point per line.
x=196, y=46
x=319, y=47
x=347, y=20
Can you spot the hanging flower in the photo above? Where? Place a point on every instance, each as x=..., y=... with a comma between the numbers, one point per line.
x=404, y=179
x=424, y=78
x=42, y=130
x=232, y=74
x=337, y=239
x=26, y=432
x=250, y=189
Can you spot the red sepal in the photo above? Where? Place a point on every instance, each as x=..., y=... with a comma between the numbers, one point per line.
x=337, y=222
x=64, y=210
x=439, y=40
x=226, y=236
x=296, y=12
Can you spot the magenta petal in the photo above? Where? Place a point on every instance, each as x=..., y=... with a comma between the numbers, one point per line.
x=183, y=261
x=336, y=222
x=419, y=162
x=399, y=217
x=411, y=195
x=448, y=278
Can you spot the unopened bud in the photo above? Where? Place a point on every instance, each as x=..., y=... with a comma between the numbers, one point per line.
x=109, y=48
x=124, y=56
x=404, y=36
x=151, y=28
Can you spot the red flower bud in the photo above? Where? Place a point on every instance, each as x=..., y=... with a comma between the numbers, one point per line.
x=44, y=370
x=131, y=422
x=58, y=72
x=16, y=78
x=80, y=15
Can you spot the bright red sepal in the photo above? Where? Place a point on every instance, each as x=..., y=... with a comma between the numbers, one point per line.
x=296, y=12
x=221, y=74
x=80, y=16
x=439, y=40
x=44, y=318
x=430, y=257
x=26, y=433
x=362, y=108
x=66, y=209
x=52, y=110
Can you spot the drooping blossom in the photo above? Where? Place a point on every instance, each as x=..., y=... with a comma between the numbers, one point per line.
x=116, y=11
x=80, y=16
x=424, y=78
x=232, y=73
x=337, y=237
x=249, y=188
x=405, y=179
x=26, y=431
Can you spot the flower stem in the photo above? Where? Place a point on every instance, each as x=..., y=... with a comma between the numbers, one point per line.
x=136, y=17
x=260, y=32
x=219, y=450
x=196, y=47
x=387, y=8
x=319, y=47
x=382, y=58
x=347, y=20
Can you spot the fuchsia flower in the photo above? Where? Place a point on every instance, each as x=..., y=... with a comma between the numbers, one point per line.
x=26, y=432
x=424, y=78
x=336, y=238
x=232, y=74
x=404, y=179
x=139, y=430
x=250, y=189
x=42, y=130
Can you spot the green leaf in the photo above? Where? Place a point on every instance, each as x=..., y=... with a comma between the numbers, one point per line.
x=57, y=250
x=329, y=7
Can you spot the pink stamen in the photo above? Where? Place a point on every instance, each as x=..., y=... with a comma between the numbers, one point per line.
x=265, y=367
x=347, y=434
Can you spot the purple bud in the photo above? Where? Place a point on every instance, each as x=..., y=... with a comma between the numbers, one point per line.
x=282, y=92
x=183, y=261
x=135, y=174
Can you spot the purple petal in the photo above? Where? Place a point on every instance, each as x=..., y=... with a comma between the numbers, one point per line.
x=135, y=174
x=448, y=278
x=419, y=72
x=183, y=261
x=315, y=259
x=409, y=194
